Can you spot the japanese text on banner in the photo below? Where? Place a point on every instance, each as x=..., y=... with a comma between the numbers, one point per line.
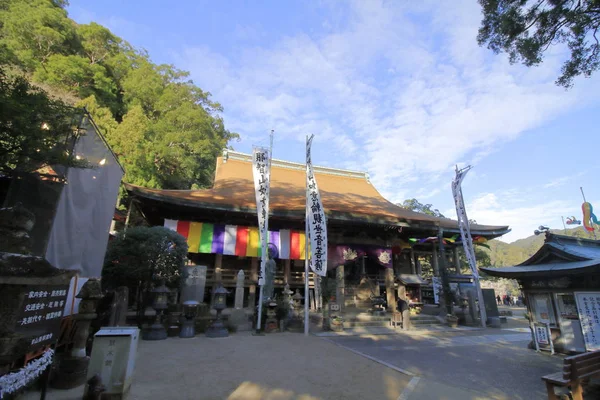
x=317, y=225
x=260, y=171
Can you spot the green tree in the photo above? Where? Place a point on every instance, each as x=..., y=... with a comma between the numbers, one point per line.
x=35, y=131
x=526, y=29
x=76, y=75
x=415, y=205
x=141, y=256
x=34, y=30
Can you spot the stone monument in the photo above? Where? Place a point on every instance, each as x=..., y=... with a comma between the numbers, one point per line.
x=238, y=317
x=194, y=283
x=118, y=315
x=239, y=290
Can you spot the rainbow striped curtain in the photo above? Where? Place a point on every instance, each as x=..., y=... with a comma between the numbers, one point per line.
x=236, y=240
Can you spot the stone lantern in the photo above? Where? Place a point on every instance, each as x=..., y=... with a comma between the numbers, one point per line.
x=217, y=329
x=160, y=302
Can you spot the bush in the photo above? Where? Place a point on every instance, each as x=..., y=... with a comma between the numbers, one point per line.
x=142, y=254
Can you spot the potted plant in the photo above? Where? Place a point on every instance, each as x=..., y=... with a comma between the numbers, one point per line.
x=336, y=323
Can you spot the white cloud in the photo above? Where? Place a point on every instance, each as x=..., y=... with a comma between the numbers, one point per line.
x=496, y=209
x=406, y=84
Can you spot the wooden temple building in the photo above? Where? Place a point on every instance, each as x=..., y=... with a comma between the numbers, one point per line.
x=370, y=238
x=561, y=283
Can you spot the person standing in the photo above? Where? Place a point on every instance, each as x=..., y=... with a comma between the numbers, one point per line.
x=498, y=300
x=402, y=307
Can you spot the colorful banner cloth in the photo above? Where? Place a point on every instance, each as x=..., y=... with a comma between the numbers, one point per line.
x=235, y=240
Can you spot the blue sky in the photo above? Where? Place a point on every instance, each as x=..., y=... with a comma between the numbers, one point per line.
x=400, y=90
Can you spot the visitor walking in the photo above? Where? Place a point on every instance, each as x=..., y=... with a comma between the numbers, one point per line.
x=402, y=307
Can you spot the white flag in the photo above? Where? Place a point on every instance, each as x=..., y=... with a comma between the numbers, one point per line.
x=261, y=172
x=317, y=225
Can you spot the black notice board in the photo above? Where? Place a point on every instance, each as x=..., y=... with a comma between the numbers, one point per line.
x=491, y=306
x=41, y=313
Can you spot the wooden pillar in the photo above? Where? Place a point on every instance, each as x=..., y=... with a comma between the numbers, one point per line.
x=340, y=285
x=413, y=262
x=287, y=271
x=253, y=280
x=434, y=261
x=389, y=289
x=218, y=268
x=457, y=260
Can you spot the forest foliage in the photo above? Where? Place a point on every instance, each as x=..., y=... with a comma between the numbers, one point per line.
x=166, y=131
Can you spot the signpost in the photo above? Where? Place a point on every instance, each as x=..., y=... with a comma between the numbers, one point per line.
x=588, y=308
x=542, y=337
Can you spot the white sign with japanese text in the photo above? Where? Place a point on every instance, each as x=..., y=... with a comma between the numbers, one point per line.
x=261, y=172
x=588, y=308
x=317, y=225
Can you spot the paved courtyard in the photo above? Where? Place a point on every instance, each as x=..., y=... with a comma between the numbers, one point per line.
x=372, y=363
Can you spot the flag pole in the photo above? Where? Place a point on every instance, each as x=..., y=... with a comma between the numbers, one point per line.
x=264, y=248
x=306, y=255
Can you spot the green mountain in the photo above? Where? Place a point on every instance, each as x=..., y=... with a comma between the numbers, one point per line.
x=508, y=254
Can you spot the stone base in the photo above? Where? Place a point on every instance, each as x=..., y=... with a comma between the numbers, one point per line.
x=188, y=330
x=217, y=330
x=70, y=373
x=494, y=322
x=271, y=325
x=155, y=332
x=239, y=319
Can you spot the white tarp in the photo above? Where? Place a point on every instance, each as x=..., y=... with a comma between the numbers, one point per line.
x=317, y=224
x=261, y=174
x=80, y=230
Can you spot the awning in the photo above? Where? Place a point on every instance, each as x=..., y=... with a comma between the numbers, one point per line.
x=411, y=279
x=553, y=269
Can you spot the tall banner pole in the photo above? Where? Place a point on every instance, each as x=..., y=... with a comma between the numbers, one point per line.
x=467, y=240
x=261, y=169
x=306, y=253
x=315, y=231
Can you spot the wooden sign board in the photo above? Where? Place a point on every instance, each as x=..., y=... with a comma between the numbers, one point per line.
x=41, y=312
x=588, y=308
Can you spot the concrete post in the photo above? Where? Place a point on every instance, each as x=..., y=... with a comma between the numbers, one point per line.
x=339, y=291
x=457, y=260
x=287, y=271
x=253, y=280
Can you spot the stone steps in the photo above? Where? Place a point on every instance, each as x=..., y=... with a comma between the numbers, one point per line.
x=368, y=320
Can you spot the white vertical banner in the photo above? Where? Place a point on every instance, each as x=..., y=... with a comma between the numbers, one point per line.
x=261, y=172
x=317, y=224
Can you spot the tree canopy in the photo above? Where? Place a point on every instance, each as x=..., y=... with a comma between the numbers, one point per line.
x=415, y=205
x=526, y=29
x=35, y=130
x=166, y=131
